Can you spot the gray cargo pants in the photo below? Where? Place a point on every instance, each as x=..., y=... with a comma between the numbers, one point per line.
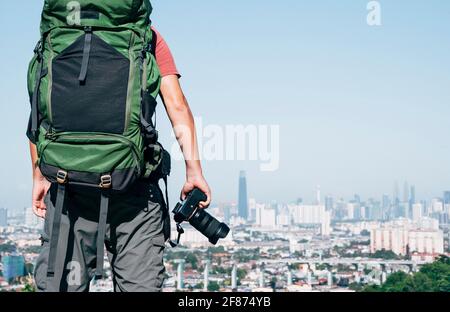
x=138, y=226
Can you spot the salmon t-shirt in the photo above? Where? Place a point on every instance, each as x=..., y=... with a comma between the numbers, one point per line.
x=164, y=57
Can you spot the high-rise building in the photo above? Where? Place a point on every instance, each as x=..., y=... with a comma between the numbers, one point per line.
x=404, y=236
x=283, y=216
x=406, y=192
x=31, y=220
x=318, y=196
x=375, y=211
x=404, y=211
x=447, y=202
x=243, y=201
x=385, y=206
x=437, y=205
x=266, y=216
x=252, y=210
x=394, y=213
x=447, y=197
x=227, y=213
x=311, y=214
x=417, y=210
x=328, y=203
x=351, y=207
x=3, y=217
x=412, y=195
x=13, y=266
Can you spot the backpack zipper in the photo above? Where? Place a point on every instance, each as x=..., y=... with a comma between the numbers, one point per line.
x=131, y=82
x=50, y=79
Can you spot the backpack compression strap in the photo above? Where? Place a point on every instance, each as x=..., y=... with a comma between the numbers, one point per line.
x=40, y=73
x=102, y=222
x=60, y=198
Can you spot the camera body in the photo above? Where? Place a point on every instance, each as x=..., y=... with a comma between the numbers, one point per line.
x=184, y=211
x=188, y=211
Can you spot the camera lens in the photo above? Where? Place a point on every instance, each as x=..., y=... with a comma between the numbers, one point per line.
x=209, y=226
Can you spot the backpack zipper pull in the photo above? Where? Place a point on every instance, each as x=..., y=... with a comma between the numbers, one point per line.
x=51, y=134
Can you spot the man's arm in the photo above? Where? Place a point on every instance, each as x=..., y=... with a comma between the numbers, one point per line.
x=40, y=185
x=183, y=124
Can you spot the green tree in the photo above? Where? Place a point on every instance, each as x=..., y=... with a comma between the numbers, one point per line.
x=241, y=273
x=372, y=288
x=422, y=283
x=192, y=260
x=213, y=250
x=29, y=288
x=385, y=254
x=439, y=274
x=433, y=277
x=396, y=282
x=356, y=287
x=213, y=286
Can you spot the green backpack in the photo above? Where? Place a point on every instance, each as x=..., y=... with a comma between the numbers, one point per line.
x=93, y=84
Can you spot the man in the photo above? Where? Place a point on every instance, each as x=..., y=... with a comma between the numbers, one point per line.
x=137, y=221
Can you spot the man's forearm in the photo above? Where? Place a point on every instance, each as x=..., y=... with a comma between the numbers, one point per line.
x=34, y=156
x=182, y=121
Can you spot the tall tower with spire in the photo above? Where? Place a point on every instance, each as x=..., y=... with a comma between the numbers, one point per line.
x=243, y=199
x=318, y=196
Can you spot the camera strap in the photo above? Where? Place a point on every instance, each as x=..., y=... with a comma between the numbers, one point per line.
x=180, y=231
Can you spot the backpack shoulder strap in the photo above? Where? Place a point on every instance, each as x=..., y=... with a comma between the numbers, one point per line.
x=154, y=42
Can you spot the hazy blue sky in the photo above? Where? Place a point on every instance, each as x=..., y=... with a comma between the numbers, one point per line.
x=358, y=106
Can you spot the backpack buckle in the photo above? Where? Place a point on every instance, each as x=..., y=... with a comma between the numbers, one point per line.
x=38, y=49
x=61, y=177
x=106, y=182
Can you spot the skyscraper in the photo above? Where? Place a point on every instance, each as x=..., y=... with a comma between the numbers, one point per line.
x=446, y=197
x=31, y=220
x=13, y=266
x=3, y=217
x=417, y=210
x=395, y=202
x=386, y=204
x=318, y=196
x=243, y=201
x=412, y=196
x=406, y=192
x=329, y=205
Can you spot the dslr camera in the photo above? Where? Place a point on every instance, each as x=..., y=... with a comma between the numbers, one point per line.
x=188, y=211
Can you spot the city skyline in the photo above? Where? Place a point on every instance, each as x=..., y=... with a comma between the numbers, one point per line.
x=353, y=120
x=328, y=245
x=311, y=197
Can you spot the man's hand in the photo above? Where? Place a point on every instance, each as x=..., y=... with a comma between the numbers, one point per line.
x=40, y=189
x=197, y=181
